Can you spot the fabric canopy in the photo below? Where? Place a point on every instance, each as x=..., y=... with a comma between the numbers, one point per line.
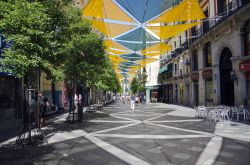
x=162, y=47
x=117, y=52
x=116, y=59
x=111, y=29
x=147, y=61
x=152, y=54
x=166, y=32
x=135, y=28
x=114, y=45
x=134, y=46
x=132, y=57
x=187, y=10
x=139, y=35
x=154, y=8
x=105, y=9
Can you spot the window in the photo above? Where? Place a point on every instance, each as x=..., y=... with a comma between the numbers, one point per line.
x=175, y=69
x=247, y=38
x=207, y=55
x=195, y=61
x=221, y=6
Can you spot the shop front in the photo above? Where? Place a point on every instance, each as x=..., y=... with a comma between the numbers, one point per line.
x=207, y=76
x=245, y=67
x=152, y=93
x=195, y=82
x=10, y=98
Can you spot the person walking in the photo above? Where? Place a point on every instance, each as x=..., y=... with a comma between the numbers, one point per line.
x=132, y=102
x=127, y=99
x=42, y=103
x=76, y=99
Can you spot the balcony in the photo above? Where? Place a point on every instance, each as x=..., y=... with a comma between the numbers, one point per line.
x=229, y=10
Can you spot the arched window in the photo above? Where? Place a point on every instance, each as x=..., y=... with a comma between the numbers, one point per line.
x=247, y=38
x=195, y=60
x=207, y=55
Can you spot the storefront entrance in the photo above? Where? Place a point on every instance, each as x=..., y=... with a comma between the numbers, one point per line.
x=196, y=93
x=226, y=83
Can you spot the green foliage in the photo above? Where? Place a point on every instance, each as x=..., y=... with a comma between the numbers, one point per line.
x=25, y=24
x=51, y=36
x=134, y=86
x=138, y=82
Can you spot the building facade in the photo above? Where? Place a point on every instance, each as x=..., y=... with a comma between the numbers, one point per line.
x=210, y=63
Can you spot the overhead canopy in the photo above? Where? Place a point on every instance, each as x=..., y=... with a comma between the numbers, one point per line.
x=166, y=32
x=133, y=57
x=111, y=29
x=114, y=45
x=154, y=8
x=187, y=10
x=134, y=46
x=118, y=52
x=105, y=9
x=116, y=59
x=161, y=47
x=138, y=35
x=147, y=61
x=135, y=29
x=152, y=54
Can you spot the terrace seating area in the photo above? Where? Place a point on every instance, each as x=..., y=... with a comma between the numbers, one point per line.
x=223, y=113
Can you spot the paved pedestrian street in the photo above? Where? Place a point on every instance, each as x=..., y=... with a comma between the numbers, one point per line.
x=157, y=134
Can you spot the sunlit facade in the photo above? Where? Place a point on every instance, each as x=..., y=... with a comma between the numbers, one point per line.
x=208, y=64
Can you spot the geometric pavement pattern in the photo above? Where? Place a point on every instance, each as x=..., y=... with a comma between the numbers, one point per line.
x=150, y=135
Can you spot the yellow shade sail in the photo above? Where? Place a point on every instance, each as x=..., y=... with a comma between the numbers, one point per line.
x=132, y=73
x=111, y=29
x=116, y=58
x=152, y=54
x=116, y=51
x=105, y=9
x=147, y=61
x=187, y=10
x=161, y=47
x=166, y=32
x=112, y=44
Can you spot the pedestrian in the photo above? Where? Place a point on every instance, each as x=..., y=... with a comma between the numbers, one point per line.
x=128, y=99
x=42, y=105
x=123, y=99
x=132, y=102
x=76, y=102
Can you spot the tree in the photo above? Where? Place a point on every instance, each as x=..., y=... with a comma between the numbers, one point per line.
x=50, y=35
x=25, y=24
x=142, y=80
x=134, y=86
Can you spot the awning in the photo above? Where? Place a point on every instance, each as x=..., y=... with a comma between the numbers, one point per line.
x=134, y=29
x=165, y=68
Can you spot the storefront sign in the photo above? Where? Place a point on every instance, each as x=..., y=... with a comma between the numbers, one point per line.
x=207, y=74
x=195, y=76
x=245, y=66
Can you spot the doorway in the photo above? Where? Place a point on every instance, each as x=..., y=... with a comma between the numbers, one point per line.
x=196, y=93
x=226, y=83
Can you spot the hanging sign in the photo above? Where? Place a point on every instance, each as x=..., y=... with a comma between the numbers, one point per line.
x=245, y=66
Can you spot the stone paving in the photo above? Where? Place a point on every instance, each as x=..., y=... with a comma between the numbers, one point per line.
x=157, y=134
